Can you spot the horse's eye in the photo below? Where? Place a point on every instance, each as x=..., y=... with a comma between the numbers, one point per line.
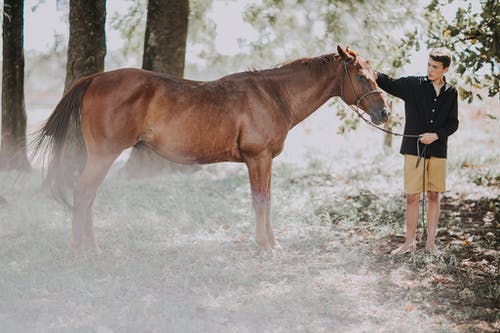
x=361, y=77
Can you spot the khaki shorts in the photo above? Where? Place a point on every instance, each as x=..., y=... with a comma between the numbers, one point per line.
x=435, y=174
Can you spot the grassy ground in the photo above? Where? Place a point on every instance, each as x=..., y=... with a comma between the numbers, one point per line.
x=179, y=256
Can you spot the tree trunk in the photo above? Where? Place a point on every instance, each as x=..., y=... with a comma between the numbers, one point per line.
x=166, y=33
x=13, y=153
x=164, y=51
x=87, y=41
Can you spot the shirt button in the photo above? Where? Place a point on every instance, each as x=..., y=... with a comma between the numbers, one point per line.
x=432, y=121
x=433, y=110
x=435, y=99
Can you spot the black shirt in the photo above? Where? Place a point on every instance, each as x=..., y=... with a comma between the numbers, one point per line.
x=425, y=112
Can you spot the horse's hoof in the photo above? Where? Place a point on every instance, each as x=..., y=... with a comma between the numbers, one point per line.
x=264, y=253
x=278, y=249
x=78, y=250
x=96, y=249
x=80, y=254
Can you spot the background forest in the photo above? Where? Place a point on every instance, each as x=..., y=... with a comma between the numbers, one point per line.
x=178, y=251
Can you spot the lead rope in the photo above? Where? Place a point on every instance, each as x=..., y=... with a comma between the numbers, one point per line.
x=420, y=155
x=423, y=199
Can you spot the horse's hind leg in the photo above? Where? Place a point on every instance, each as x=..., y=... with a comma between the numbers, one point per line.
x=92, y=176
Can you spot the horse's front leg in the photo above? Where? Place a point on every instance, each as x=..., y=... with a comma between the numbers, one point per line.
x=259, y=171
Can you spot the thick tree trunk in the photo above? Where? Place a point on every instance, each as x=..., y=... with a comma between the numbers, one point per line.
x=164, y=51
x=87, y=41
x=13, y=153
x=166, y=33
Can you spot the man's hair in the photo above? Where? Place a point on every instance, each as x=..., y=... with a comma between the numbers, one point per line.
x=442, y=55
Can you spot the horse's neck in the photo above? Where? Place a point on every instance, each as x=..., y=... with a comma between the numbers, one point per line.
x=307, y=90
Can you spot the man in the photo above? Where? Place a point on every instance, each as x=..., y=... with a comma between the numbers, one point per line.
x=431, y=111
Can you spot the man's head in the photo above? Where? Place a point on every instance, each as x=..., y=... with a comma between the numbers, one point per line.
x=439, y=62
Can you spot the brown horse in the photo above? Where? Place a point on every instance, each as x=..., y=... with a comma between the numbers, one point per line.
x=244, y=117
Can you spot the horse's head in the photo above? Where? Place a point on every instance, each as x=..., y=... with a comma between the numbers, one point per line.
x=358, y=86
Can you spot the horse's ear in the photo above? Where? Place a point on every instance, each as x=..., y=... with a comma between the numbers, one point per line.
x=351, y=52
x=345, y=55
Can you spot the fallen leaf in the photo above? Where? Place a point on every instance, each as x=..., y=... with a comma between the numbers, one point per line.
x=468, y=263
x=442, y=279
x=409, y=307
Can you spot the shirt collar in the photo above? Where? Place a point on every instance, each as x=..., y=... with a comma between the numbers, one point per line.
x=446, y=85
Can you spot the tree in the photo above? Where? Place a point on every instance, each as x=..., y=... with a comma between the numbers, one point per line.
x=166, y=33
x=474, y=39
x=87, y=41
x=164, y=51
x=13, y=153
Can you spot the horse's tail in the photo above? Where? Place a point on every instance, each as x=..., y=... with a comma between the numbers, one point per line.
x=60, y=142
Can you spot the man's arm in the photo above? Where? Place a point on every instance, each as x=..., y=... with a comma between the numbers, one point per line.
x=396, y=87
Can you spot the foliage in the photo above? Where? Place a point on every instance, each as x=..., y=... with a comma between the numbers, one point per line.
x=474, y=38
x=132, y=27
x=318, y=26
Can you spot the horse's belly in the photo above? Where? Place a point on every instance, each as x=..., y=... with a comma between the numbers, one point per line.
x=195, y=138
x=200, y=158
x=192, y=152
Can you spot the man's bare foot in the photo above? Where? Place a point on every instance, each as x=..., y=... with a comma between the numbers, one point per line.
x=432, y=249
x=405, y=248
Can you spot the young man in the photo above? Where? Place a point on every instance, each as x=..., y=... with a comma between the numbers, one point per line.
x=431, y=111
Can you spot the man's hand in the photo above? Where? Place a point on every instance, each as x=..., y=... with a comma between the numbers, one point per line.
x=428, y=138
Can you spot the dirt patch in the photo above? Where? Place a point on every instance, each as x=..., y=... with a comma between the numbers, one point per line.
x=462, y=283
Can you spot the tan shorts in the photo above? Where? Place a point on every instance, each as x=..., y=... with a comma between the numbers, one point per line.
x=435, y=174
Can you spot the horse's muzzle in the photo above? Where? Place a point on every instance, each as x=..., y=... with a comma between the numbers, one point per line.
x=379, y=116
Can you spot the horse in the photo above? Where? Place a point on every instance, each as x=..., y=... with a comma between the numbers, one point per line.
x=243, y=117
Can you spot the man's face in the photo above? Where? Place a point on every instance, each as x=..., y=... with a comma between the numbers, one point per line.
x=435, y=70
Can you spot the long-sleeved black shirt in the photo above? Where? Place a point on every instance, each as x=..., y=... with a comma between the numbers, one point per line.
x=425, y=112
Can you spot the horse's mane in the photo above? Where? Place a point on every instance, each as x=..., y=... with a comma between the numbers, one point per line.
x=311, y=62
x=314, y=64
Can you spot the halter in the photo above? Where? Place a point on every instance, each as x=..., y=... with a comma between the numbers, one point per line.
x=360, y=99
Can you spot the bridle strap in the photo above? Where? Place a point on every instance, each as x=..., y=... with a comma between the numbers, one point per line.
x=360, y=99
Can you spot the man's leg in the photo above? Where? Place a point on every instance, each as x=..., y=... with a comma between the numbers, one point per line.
x=433, y=199
x=411, y=224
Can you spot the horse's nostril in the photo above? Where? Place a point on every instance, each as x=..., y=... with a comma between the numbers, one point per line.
x=379, y=116
x=385, y=114
x=378, y=113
